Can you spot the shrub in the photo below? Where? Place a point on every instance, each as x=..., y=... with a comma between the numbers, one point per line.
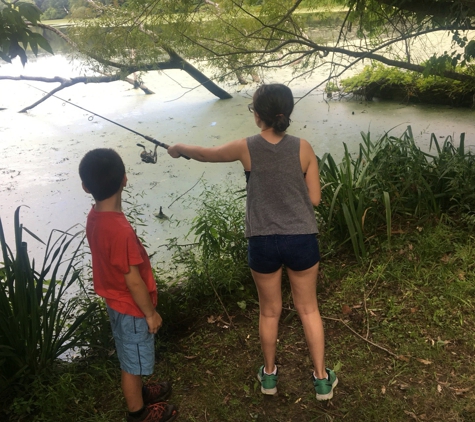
x=216, y=264
x=378, y=80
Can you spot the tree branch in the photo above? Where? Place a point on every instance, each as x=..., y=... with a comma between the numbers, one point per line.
x=175, y=62
x=64, y=83
x=430, y=7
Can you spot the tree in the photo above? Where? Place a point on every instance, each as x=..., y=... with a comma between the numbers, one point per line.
x=246, y=36
x=16, y=18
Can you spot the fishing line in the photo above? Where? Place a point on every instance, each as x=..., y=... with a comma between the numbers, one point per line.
x=146, y=157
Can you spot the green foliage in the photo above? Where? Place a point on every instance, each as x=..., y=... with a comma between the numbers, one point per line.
x=37, y=322
x=393, y=179
x=15, y=36
x=88, y=389
x=55, y=9
x=222, y=39
x=216, y=264
x=348, y=193
x=372, y=16
x=394, y=83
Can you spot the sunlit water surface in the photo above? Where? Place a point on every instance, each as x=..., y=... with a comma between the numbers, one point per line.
x=41, y=149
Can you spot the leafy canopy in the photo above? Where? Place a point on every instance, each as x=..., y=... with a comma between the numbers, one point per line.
x=15, y=36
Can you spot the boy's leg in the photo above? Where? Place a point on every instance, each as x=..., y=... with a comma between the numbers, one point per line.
x=132, y=389
x=136, y=352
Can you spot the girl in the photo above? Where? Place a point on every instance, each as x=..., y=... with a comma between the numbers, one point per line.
x=283, y=185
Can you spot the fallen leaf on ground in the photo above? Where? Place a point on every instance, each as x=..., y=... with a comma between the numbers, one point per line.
x=346, y=310
x=441, y=342
x=460, y=391
x=445, y=259
x=424, y=361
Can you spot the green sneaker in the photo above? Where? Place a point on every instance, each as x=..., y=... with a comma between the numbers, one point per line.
x=268, y=382
x=324, y=388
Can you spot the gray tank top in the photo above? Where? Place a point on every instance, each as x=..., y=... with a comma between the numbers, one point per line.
x=277, y=195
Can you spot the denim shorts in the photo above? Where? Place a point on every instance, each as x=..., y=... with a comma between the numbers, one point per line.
x=266, y=254
x=134, y=344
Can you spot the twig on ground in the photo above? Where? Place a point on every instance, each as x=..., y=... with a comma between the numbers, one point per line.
x=365, y=339
x=364, y=302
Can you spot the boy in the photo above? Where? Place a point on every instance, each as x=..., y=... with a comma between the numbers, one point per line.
x=123, y=276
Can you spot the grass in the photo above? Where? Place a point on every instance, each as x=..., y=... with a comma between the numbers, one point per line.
x=399, y=331
x=415, y=302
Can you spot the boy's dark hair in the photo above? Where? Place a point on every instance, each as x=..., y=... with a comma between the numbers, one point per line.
x=102, y=172
x=274, y=104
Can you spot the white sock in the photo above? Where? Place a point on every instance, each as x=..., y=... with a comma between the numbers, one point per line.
x=274, y=372
x=326, y=378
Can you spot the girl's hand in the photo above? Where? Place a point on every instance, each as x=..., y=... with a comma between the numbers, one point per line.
x=173, y=151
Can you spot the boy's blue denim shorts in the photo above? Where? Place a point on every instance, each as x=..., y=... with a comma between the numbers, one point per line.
x=266, y=254
x=134, y=344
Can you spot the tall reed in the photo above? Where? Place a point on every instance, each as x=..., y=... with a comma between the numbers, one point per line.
x=37, y=322
x=393, y=178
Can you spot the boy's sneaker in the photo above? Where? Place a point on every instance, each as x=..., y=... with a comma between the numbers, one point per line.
x=268, y=382
x=324, y=388
x=157, y=412
x=156, y=392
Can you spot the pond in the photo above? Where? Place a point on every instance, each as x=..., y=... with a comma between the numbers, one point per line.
x=41, y=149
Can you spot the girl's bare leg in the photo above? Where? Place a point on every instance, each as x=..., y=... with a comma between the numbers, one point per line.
x=304, y=293
x=270, y=306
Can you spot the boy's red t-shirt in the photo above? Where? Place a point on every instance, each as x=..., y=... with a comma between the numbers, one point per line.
x=114, y=248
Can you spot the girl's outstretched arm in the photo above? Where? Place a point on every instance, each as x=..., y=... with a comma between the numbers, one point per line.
x=232, y=151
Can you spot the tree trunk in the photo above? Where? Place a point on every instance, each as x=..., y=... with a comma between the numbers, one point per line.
x=177, y=62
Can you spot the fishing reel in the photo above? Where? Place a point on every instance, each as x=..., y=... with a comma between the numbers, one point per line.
x=148, y=156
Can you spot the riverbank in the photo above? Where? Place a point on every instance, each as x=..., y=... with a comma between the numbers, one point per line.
x=399, y=333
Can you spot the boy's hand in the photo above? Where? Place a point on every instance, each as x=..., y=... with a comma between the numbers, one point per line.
x=172, y=151
x=154, y=322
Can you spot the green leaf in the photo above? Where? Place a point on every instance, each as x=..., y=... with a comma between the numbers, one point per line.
x=44, y=44
x=30, y=12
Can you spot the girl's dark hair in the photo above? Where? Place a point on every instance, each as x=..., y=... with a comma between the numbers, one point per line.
x=102, y=171
x=274, y=104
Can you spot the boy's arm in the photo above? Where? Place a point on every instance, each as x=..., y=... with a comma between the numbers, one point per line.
x=141, y=296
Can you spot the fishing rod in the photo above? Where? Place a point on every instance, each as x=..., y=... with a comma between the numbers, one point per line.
x=147, y=157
